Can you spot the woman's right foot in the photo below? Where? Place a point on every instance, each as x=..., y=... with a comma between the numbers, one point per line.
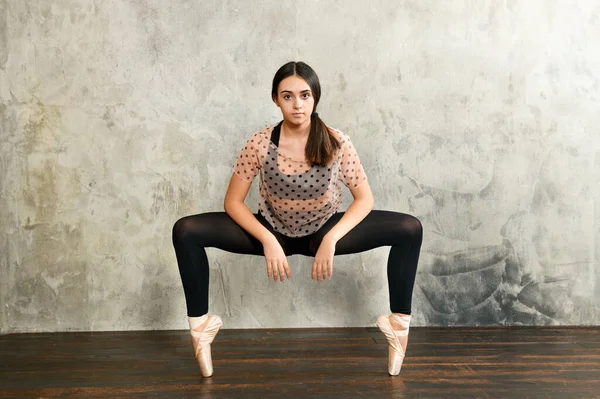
x=395, y=327
x=202, y=337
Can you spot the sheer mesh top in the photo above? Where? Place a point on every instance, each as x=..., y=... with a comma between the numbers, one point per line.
x=297, y=198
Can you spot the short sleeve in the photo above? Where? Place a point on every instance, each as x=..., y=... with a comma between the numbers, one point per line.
x=352, y=171
x=247, y=163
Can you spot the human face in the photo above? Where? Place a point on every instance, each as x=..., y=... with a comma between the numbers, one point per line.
x=295, y=99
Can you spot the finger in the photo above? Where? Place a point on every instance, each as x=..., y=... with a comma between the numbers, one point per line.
x=314, y=270
x=287, y=270
x=319, y=267
x=269, y=269
x=278, y=268
x=321, y=270
x=330, y=269
x=281, y=272
x=274, y=270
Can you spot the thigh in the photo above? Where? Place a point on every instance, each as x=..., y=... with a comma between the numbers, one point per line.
x=219, y=230
x=379, y=228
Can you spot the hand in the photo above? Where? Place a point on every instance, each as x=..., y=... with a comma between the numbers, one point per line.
x=323, y=263
x=277, y=265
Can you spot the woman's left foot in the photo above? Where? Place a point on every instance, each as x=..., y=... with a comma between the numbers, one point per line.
x=395, y=327
x=201, y=340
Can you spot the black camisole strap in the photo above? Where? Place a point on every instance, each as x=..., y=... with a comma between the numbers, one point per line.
x=275, y=134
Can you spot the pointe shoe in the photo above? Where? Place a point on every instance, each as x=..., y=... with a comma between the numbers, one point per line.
x=397, y=340
x=203, y=339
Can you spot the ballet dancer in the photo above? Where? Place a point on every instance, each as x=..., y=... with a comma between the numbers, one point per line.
x=303, y=164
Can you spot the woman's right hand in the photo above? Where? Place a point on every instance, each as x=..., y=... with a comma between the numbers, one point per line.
x=277, y=265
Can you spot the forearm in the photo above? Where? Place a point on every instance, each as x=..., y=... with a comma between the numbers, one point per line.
x=240, y=213
x=355, y=213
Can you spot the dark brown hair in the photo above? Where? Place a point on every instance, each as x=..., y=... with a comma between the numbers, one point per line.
x=321, y=142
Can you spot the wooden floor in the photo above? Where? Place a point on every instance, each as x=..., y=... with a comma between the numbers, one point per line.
x=454, y=362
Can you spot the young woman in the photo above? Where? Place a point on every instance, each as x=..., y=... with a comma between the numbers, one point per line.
x=302, y=164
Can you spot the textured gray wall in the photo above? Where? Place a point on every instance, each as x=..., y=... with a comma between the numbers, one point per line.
x=119, y=117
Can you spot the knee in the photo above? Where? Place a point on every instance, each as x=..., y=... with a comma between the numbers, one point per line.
x=183, y=228
x=413, y=227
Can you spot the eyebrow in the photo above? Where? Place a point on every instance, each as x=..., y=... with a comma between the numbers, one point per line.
x=289, y=91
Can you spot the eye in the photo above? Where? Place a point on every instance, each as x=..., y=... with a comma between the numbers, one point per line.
x=306, y=95
x=286, y=96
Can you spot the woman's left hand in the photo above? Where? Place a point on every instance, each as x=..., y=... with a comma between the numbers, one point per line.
x=323, y=264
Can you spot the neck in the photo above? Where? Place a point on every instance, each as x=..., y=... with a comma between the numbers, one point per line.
x=297, y=131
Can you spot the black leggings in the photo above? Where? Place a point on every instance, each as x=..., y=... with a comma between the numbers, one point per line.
x=191, y=234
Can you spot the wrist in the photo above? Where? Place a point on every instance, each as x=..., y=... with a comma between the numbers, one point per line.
x=331, y=237
x=267, y=237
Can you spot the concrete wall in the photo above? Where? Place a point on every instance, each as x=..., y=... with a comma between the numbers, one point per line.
x=119, y=117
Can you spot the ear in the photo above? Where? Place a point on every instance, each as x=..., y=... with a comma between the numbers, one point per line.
x=275, y=100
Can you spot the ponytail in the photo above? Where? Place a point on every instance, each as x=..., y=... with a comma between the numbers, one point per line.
x=321, y=142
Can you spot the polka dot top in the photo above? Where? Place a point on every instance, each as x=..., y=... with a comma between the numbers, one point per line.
x=297, y=198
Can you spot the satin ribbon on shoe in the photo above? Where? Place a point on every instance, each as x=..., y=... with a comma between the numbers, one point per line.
x=397, y=340
x=205, y=338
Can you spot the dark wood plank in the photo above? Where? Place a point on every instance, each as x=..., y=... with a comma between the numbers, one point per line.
x=461, y=362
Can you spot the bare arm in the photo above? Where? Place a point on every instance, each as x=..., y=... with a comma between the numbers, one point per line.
x=236, y=208
x=277, y=265
x=361, y=206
